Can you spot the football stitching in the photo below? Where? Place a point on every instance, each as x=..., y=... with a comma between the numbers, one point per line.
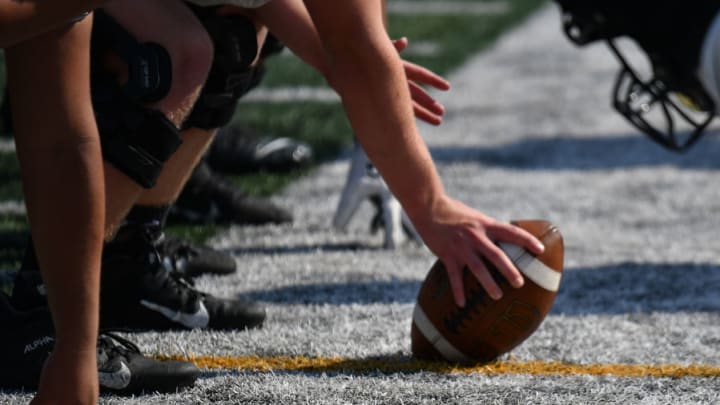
x=475, y=302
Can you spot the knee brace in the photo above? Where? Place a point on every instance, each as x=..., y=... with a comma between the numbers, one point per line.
x=149, y=68
x=135, y=139
x=231, y=75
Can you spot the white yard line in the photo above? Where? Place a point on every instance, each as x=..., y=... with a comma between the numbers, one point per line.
x=7, y=145
x=12, y=207
x=287, y=94
x=447, y=7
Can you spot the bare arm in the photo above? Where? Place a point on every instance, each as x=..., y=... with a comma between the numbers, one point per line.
x=365, y=69
x=368, y=74
x=290, y=22
x=61, y=167
x=20, y=20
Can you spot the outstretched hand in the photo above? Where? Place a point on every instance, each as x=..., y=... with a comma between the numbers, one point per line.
x=425, y=106
x=461, y=237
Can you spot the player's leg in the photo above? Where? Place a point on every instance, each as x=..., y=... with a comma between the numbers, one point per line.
x=237, y=41
x=149, y=296
x=145, y=374
x=208, y=196
x=121, y=177
x=172, y=26
x=185, y=48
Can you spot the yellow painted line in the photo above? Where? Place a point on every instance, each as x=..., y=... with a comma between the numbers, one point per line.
x=400, y=365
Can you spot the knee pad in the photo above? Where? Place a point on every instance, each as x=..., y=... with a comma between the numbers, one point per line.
x=149, y=64
x=135, y=139
x=231, y=75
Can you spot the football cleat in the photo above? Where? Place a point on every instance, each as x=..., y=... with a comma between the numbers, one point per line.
x=236, y=151
x=192, y=260
x=210, y=198
x=29, y=337
x=138, y=292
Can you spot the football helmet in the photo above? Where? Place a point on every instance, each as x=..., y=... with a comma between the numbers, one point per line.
x=677, y=96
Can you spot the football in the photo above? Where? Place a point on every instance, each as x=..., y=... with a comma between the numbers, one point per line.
x=486, y=328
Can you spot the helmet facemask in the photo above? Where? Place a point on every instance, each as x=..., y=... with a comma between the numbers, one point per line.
x=662, y=99
x=672, y=119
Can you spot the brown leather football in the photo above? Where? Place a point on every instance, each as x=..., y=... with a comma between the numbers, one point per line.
x=485, y=328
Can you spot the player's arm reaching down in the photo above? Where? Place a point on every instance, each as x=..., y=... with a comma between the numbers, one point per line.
x=61, y=169
x=360, y=62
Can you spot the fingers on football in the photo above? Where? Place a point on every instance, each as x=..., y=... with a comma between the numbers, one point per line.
x=455, y=275
x=502, y=263
x=518, y=236
x=481, y=273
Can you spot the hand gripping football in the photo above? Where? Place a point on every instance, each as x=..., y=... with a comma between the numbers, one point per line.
x=485, y=328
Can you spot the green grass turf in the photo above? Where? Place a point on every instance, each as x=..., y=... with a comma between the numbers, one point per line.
x=322, y=125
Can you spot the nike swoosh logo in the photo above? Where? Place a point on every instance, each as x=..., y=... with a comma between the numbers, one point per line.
x=116, y=380
x=271, y=147
x=200, y=319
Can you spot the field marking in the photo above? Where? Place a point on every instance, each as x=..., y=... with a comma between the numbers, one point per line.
x=293, y=94
x=447, y=7
x=404, y=364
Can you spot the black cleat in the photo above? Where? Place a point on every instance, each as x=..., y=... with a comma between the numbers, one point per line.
x=210, y=198
x=124, y=370
x=29, y=338
x=192, y=260
x=26, y=340
x=138, y=292
x=235, y=151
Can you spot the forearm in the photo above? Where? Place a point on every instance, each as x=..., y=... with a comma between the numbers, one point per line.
x=379, y=108
x=61, y=169
x=20, y=20
x=290, y=22
x=366, y=70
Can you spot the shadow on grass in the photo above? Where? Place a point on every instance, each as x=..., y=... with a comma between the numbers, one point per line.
x=613, y=289
x=307, y=248
x=572, y=153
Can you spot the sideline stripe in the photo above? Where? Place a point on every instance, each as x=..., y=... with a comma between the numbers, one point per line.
x=408, y=365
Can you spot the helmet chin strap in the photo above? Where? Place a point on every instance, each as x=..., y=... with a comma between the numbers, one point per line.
x=653, y=109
